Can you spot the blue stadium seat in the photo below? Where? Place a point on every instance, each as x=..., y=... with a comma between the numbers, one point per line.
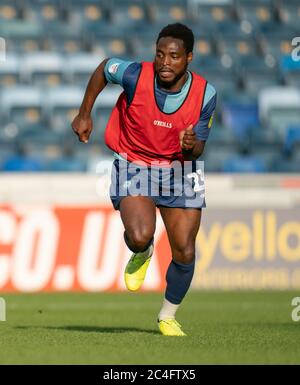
x=22, y=105
x=43, y=151
x=215, y=155
x=215, y=16
x=257, y=13
x=179, y=3
x=9, y=11
x=45, y=12
x=80, y=67
x=286, y=164
x=23, y=44
x=277, y=31
x=15, y=163
x=103, y=108
x=62, y=38
x=129, y=18
x=256, y=81
x=244, y=164
x=143, y=49
x=256, y=64
x=62, y=106
x=110, y=47
x=21, y=160
x=67, y=160
x=64, y=44
x=89, y=16
x=267, y=153
x=164, y=13
x=40, y=134
x=63, y=30
x=213, y=63
x=276, y=46
x=43, y=68
x=9, y=131
x=218, y=71
x=281, y=99
x=204, y=45
x=282, y=117
x=100, y=118
x=265, y=136
x=66, y=164
x=292, y=138
x=291, y=70
x=292, y=78
x=231, y=29
x=289, y=12
x=6, y=151
x=237, y=47
x=288, y=64
x=279, y=107
x=221, y=135
x=224, y=81
x=240, y=118
x=20, y=28
x=9, y=71
x=258, y=73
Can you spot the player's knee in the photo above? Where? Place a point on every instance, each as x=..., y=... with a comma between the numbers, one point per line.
x=185, y=255
x=140, y=238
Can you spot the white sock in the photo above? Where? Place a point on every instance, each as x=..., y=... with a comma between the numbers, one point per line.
x=146, y=254
x=168, y=310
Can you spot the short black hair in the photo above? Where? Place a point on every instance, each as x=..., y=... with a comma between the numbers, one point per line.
x=179, y=31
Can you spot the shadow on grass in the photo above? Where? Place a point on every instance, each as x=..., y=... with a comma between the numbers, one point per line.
x=91, y=329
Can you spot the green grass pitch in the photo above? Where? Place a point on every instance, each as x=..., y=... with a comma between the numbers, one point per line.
x=109, y=328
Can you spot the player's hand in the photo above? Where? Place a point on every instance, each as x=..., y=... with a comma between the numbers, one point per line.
x=82, y=126
x=187, y=138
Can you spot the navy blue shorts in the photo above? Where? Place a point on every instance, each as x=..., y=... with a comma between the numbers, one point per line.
x=178, y=186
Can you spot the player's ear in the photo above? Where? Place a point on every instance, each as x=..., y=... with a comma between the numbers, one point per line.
x=189, y=57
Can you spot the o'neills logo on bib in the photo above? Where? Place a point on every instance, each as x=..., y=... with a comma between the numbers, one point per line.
x=162, y=124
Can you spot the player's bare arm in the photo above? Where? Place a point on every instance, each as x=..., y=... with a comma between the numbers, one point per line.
x=82, y=124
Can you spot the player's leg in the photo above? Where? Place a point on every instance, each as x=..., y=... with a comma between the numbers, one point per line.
x=182, y=226
x=138, y=214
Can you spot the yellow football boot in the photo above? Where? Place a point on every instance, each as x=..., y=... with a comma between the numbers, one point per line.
x=170, y=327
x=136, y=269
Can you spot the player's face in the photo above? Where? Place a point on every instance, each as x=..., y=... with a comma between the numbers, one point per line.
x=171, y=60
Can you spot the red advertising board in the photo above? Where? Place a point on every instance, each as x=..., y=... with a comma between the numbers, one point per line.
x=70, y=248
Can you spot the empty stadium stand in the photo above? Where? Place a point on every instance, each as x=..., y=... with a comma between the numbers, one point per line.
x=243, y=47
